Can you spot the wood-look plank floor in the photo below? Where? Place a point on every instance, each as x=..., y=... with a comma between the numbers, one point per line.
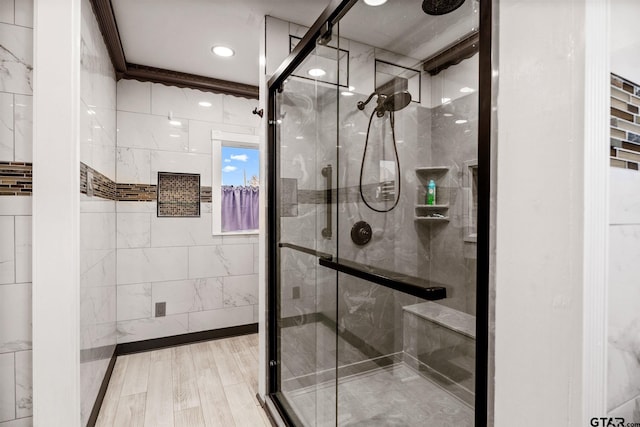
x=205, y=384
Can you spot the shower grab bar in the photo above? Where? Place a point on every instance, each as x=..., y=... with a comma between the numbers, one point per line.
x=305, y=250
x=327, y=173
x=381, y=277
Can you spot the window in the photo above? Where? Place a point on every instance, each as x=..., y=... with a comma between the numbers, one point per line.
x=236, y=178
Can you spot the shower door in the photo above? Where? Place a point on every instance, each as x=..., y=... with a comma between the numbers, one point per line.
x=374, y=232
x=306, y=164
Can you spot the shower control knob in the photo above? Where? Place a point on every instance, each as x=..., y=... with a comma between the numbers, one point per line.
x=361, y=233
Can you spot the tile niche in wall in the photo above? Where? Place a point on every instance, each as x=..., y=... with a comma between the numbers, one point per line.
x=178, y=194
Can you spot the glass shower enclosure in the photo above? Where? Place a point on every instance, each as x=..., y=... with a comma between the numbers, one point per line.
x=378, y=200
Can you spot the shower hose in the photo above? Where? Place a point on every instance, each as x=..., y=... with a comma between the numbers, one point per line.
x=395, y=150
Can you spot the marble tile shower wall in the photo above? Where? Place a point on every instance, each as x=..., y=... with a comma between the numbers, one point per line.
x=16, y=55
x=97, y=214
x=452, y=256
x=207, y=281
x=623, y=375
x=426, y=138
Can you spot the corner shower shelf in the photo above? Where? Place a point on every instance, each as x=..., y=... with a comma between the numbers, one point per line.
x=431, y=170
x=424, y=212
x=432, y=207
x=428, y=219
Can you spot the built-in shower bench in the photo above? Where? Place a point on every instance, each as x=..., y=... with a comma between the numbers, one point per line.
x=439, y=342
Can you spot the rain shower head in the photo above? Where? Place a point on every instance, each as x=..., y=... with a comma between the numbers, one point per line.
x=440, y=7
x=394, y=102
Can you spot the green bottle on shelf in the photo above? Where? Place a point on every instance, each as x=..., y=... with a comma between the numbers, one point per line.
x=431, y=192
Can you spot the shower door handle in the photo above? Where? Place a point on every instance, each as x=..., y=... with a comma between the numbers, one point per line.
x=328, y=175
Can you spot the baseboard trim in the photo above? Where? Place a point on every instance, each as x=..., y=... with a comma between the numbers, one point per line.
x=172, y=341
x=95, y=411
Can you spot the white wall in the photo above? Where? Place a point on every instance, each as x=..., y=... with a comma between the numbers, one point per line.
x=208, y=282
x=16, y=37
x=539, y=242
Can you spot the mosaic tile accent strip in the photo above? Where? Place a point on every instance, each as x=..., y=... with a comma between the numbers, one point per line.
x=625, y=124
x=178, y=195
x=136, y=192
x=93, y=183
x=16, y=178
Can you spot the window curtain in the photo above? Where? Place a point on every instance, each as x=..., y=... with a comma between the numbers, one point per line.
x=239, y=208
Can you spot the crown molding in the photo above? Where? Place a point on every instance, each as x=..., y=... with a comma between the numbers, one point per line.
x=105, y=17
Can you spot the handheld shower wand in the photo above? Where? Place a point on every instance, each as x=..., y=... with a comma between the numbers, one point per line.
x=391, y=103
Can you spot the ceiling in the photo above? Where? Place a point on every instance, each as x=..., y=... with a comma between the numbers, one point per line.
x=178, y=35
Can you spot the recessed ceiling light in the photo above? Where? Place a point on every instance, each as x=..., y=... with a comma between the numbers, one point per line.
x=175, y=122
x=223, y=51
x=174, y=135
x=461, y=122
x=375, y=2
x=467, y=90
x=346, y=93
x=448, y=115
x=204, y=104
x=316, y=72
x=299, y=137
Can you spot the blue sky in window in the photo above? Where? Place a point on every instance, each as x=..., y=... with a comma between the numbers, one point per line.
x=238, y=163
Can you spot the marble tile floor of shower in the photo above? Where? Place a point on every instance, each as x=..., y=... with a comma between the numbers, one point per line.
x=212, y=383
x=371, y=392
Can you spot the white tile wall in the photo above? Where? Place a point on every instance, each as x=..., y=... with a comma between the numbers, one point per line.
x=177, y=260
x=156, y=327
x=623, y=373
x=7, y=387
x=134, y=165
x=240, y=290
x=223, y=318
x=97, y=216
x=15, y=214
x=23, y=248
x=6, y=12
x=17, y=59
x=224, y=260
x=7, y=250
x=164, y=161
x=24, y=13
x=185, y=296
x=15, y=317
x=183, y=232
x=134, y=96
x=98, y=267
x=152, y=265
x=184, y=103
x=24, y=390
x=134, y=301
x=137, y=130
x=6, y=126
x=134, y=230
x=23, y=130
